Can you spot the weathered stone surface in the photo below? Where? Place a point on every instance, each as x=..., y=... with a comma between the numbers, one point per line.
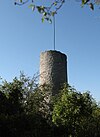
x=53, y=69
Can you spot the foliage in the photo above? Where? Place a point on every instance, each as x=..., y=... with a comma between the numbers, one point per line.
x=20, y=113
x=76, y=112
x=30, y=110
x=46, y=10
x=50, y=8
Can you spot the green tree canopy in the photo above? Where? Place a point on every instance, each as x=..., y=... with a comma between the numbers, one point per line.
x=20, y=113
x=77, y=112
x=29, y=110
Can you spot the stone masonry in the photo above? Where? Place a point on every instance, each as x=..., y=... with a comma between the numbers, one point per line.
x=53, y=69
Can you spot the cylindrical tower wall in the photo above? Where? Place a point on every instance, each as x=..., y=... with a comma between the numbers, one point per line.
x=53, y=69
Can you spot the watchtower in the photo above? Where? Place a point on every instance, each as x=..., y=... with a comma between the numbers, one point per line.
x=53, y=69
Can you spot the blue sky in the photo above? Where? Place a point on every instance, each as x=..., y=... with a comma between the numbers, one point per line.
x=23, y=36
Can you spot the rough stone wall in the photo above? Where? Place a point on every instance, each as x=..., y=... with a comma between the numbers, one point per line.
x=53, y=69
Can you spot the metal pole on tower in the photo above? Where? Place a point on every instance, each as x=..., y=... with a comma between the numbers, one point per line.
x=54, y=32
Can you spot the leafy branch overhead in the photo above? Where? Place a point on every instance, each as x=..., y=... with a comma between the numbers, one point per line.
x=46, y=10
x=49, y=9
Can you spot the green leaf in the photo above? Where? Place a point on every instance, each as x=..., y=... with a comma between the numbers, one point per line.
x=83, y=1
x=44, y=14
x=55, y=3
x=40, y=9
x=91, y=6
x=86, y=1
x=43, y=19
x=32, y=7
x=21, y=1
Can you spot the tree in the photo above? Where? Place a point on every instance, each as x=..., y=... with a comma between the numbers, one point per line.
x=22, y=106
x=28, y=110
x=50, y=8
x=75, y=112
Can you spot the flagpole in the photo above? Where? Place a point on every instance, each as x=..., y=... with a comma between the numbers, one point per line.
x=54, y=32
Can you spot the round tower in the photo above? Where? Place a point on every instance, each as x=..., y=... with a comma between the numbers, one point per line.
x=53, y=70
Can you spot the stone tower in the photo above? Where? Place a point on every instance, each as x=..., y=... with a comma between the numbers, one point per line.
x=53, y=69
